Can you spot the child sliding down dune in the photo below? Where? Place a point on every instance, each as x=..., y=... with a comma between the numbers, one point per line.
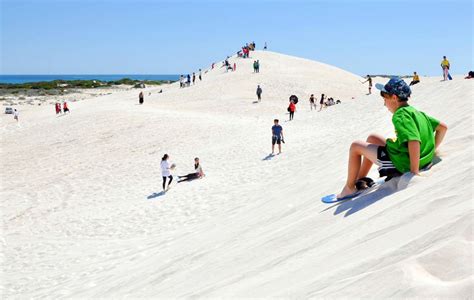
x=198, y=173
x=412, y=149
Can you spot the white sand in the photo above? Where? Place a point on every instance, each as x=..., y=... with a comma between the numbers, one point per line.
x=77, y=221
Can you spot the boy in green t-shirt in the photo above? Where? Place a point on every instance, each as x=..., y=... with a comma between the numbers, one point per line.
x=412, y=150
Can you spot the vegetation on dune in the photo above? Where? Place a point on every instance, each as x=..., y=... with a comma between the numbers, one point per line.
x=61, y=87
x=84, y=84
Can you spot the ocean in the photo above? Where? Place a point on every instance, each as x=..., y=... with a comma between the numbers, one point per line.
x=38, y=78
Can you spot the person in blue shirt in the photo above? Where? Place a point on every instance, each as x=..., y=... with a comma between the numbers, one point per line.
x=277, y=136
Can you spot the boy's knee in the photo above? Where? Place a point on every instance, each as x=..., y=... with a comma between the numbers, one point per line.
x=375, y=139
x=372, y=138
x=356, y=145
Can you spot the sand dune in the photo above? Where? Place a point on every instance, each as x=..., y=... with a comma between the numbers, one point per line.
x=83, y=217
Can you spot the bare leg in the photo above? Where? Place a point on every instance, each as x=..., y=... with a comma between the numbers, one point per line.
x=273, y=148
x=357, y=150
x=279, y=148
x=366, y=163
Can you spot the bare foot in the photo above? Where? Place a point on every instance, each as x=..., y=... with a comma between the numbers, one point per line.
x=347, y=191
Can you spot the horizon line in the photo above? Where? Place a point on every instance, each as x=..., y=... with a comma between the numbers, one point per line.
x=83, y=74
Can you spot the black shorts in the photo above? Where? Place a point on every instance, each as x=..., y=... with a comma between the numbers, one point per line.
x=276, y=140
x=192, y=176
x=386, y=166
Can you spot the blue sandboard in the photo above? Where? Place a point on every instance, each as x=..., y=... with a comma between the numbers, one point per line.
x=332, y=198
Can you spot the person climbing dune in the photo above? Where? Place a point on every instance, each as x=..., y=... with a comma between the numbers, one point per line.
x=369, y=80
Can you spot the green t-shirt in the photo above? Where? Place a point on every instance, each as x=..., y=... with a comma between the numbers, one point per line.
x=411, y=125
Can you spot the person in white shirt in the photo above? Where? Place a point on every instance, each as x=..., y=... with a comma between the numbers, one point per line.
x=198, y=173
x=165, y=171
x=16, y=114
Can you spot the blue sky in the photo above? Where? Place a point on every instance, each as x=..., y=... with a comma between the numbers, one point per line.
x=173, y=37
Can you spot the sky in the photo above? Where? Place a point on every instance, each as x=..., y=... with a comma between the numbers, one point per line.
x=175, y=37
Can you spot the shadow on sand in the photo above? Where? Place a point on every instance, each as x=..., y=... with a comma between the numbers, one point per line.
x=359, y=203
x=268, y=157
x=156, y=195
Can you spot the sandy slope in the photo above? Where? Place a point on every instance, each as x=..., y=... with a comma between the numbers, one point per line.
x=81, y=215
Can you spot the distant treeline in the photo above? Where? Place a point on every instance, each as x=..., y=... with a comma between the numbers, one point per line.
x=84, y=84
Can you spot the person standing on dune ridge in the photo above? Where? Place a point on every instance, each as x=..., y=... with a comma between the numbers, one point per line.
x=445, y=66
x=369, y=79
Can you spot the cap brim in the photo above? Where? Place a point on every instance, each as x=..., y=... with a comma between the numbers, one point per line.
x=380, y=87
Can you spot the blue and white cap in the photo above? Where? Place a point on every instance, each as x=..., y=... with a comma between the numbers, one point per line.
x=395, y=86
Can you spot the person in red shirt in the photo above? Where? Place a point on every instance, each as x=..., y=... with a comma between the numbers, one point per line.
x=292, y=109
x=65, y=108
x=58, y=108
